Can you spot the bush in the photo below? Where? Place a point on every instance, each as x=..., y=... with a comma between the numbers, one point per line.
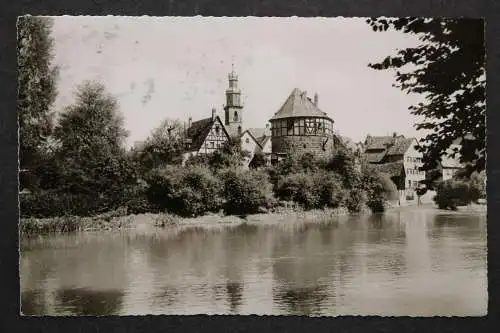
x=354, y=200
x=343, y=163
x=378, y=187
x=246, y=192
x=316, y=190
x=329, y=189
x=452, y=193
x=52, y=203
x=258, y=160
x=297, y=187
x=477, y=186
x=189, y=191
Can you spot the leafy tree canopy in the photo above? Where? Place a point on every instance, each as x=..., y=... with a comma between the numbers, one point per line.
x=36, y=86
x=164, y=146
x=448, y=67
x=90, y=137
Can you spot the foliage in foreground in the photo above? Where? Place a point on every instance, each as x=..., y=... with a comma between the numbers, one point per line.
x=449, y=68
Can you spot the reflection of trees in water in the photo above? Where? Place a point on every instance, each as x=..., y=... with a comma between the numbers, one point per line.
x=166, y=296
x=33, y=303
x=464, y=226
x=381, y=228
x=301, y=300
x=234, y=292
x=84, y=302
x=302, y=264
x=458, y=239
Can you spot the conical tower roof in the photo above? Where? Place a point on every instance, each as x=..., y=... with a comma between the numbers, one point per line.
x=299, y=105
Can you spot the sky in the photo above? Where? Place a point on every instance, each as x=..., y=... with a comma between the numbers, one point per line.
x=175, y=68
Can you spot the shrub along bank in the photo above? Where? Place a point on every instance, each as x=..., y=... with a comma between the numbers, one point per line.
x=460, y=191
x=200, y=188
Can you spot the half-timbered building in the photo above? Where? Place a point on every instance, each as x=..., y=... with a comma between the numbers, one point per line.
x=205, y=136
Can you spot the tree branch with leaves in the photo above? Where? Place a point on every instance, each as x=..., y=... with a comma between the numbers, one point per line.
x=448, y=68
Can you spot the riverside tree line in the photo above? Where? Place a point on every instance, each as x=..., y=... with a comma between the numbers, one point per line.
x=76, y=163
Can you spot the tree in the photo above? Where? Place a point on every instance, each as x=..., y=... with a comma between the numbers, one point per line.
x=258, y=160
x=36, y=89
x=90, y=136
x=449, y=68
x=164, y=146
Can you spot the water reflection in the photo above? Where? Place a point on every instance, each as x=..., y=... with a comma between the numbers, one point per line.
x=399, y=263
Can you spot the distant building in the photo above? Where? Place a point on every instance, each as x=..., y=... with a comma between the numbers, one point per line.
x=256, y=140
x=397, y=156
x=299, y=125
x=451, y=165
x=205, y=136
x=233, y=110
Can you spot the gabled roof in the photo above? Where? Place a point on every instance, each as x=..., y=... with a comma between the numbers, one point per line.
x=375, y=156
x=263, y=140
x=401, y=145
x=381, y=146
x=259, y=132
x=379, y=142
x=199, y=131
x=252, y=136
x=394, y=169
x=299, y=105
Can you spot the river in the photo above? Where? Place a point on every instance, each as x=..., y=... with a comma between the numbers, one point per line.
x=417, y=262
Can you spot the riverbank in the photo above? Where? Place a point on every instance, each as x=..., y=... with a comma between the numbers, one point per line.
x=120, y=220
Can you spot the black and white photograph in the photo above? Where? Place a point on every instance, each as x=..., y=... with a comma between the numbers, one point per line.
x=252, y=166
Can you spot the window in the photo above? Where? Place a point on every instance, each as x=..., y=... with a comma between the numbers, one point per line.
x=217, y=129
x=218, y=144
x=235, y=118
x=211, y=144
x=289, y=127
x=409, y=183
x=247, y=140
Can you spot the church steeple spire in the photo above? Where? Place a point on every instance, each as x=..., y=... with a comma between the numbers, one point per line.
x=234, y=107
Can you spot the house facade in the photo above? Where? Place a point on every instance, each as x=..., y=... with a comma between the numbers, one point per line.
x=256, y=140
x=205, y=136
x=450, y=165
x=397, y=156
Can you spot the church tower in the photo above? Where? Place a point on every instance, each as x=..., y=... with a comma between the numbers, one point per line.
x=234, y=107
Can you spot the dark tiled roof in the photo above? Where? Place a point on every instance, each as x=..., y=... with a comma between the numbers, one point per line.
x=199, y=131
x=262, y=140
x=259, y=132
x=381, y=146
x=401, y=145
x=379, y=142
x=394, y=169
x=298, y=105
x=375, y=156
